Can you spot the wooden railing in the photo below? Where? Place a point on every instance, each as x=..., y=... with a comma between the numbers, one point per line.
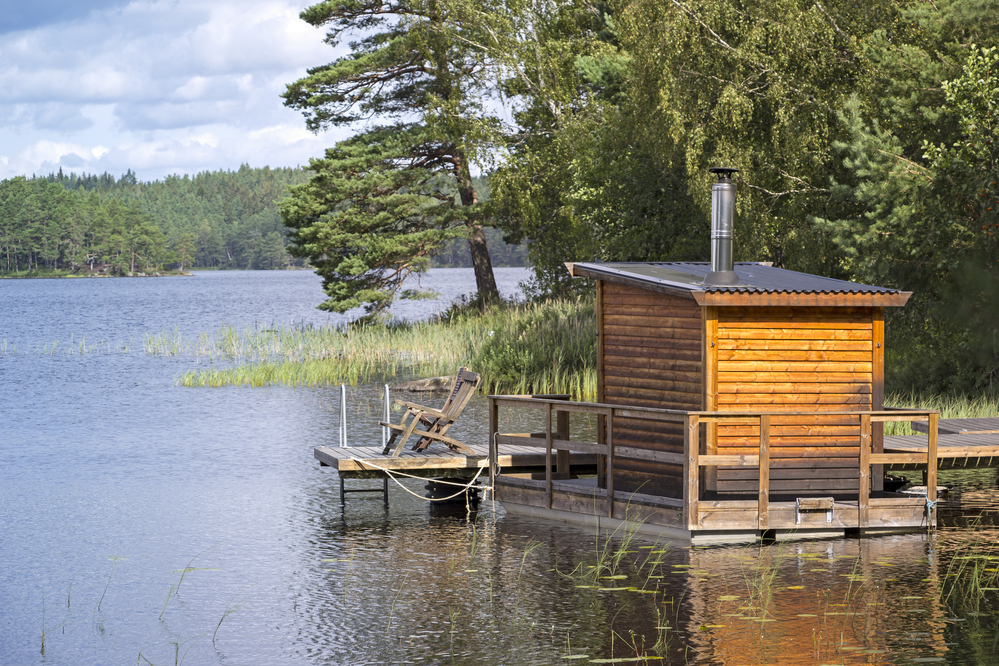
x=559, y=442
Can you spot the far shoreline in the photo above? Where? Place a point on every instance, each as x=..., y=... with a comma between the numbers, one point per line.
x=83, y=276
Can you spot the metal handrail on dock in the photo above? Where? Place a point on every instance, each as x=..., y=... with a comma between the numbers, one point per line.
x=557, y=410
x=342, y=431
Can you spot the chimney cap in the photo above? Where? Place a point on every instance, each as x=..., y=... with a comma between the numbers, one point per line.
x=724, y=173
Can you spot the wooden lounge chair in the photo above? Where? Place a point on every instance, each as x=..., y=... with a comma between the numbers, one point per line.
x=435, y=422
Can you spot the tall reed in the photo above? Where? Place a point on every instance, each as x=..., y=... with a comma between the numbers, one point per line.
x=951, y=406
x=518, y=348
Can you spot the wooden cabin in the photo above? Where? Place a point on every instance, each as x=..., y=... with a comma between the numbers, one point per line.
x=729, y=410
x=780, y=342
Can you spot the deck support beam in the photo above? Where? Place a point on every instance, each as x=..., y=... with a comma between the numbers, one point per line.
x=610, y=463
x=931, y=472
x=691, y=471
x=864, y=498
x=548, y=454
x=764, y=511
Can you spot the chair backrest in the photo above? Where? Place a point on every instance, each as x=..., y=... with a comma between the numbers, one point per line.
x=465, y=384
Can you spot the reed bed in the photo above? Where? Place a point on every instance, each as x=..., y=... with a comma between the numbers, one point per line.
x=545, y=347
x=951, y=406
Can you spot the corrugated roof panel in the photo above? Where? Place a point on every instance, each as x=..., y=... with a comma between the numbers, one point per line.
x=753, y=278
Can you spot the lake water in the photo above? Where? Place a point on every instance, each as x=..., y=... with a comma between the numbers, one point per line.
x=143, y=522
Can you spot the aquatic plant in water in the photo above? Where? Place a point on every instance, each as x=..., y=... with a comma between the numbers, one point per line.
x=540, y=347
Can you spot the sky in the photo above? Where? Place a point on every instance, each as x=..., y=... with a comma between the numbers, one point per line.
x=160, y=87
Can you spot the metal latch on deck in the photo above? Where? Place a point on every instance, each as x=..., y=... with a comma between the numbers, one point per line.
x=813, y=504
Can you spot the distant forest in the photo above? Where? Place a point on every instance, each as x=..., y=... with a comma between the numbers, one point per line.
x=220, y=219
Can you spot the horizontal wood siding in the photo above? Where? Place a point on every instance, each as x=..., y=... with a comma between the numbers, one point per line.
x=791, y=360
x=651, y=357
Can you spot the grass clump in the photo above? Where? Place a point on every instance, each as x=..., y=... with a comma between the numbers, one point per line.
x=545, y=347
x=951, y=406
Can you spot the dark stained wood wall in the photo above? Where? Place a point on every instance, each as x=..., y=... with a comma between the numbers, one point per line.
x=650, y=356
x=788, y=359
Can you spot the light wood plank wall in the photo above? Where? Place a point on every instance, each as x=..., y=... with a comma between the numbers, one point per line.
x=797, y=359
x=650, y=356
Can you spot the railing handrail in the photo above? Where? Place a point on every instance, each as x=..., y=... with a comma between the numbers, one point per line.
x=893, y=413
x=596, y=405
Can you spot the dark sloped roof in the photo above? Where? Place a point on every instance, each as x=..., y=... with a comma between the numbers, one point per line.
x=755, y=281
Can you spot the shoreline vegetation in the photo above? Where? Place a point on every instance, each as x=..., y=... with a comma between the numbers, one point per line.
x=535, y=347
x=517, y=347
x=59, y=273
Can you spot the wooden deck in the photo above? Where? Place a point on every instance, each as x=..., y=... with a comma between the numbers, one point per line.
x=986, y=426
x=693, y=510
x=961, y=444
x=368, y=462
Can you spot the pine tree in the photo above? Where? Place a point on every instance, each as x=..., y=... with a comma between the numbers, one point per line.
x=384, y=201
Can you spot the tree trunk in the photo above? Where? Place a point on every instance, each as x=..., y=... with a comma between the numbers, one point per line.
x=485, y=281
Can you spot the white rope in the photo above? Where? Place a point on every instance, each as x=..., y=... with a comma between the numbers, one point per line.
x=464, y=486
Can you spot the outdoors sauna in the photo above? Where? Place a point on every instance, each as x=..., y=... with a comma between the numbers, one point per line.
x=735, y=401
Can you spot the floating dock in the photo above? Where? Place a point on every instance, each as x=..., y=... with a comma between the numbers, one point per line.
x=766, y=505
x=368, y=462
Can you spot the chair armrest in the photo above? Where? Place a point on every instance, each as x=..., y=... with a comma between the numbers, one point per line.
x=426, y=410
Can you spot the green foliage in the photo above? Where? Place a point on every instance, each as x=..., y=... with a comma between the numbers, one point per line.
x=45, y=228
x=919, y=204
x=366, y=222
x=223, y=219
x=612, y=162
x=542, y=347
x=564, y=69
x=865, y=134
x=756, y=88
x=385, y=201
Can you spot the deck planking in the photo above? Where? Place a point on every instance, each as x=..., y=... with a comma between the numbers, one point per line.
x=369, y=461
x=982, y=426
x=966, y=450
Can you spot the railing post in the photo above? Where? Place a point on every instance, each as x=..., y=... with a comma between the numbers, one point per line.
x=601, y=459
x=343, y=416
x=764, y=499
x=388, y=416
x=610, y=463
x=562, y=429
x=491, y=444
x=931, y=472
x=863, y=497
x=691, y=469
x=548, y=454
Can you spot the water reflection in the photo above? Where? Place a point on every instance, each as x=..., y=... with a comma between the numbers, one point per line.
x=487, y=587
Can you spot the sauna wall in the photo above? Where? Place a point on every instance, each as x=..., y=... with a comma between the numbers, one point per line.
x=810, y=359
x=650, y=356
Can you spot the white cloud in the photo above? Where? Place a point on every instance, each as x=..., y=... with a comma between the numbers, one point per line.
x=283, y=134
x=159, y=86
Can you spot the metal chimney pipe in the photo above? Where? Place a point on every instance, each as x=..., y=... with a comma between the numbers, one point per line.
x=722, y=216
